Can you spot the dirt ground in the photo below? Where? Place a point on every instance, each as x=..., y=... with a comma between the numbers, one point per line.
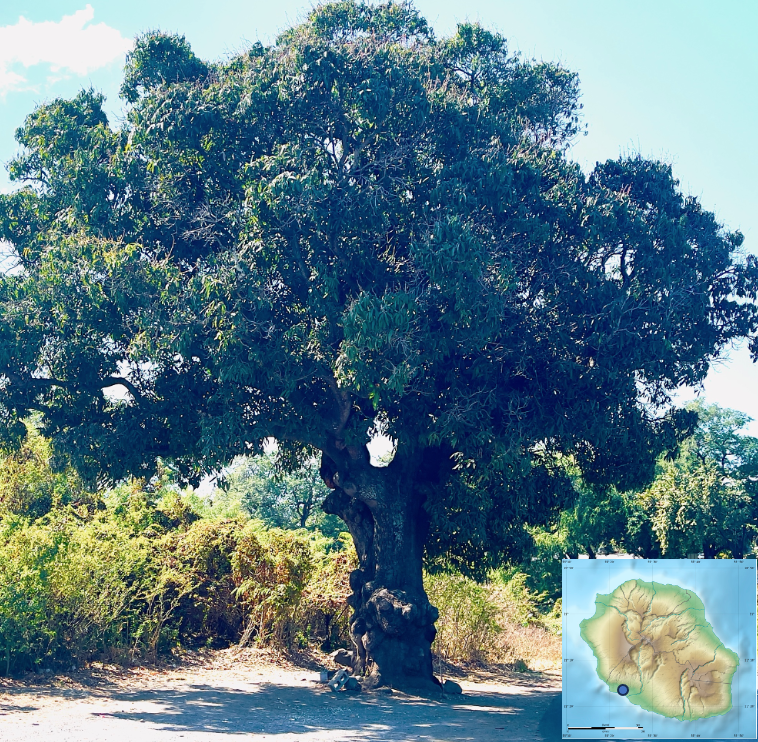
x=257, y=695
x=217, y=696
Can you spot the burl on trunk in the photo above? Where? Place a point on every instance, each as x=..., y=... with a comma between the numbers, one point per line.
x=392, y=625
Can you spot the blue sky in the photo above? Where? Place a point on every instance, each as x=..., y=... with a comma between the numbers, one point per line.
x=672, y=80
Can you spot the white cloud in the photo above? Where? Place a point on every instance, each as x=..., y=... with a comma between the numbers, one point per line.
x=72, y=45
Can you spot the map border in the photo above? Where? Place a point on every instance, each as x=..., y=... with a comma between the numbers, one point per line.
x=646, y=569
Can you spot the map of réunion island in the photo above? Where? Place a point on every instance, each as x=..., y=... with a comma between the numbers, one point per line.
x=654, y=639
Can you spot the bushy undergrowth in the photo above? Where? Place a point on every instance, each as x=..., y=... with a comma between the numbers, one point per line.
x=133, y=572
x=501, y=620
x=467, y=626
x=73, y=588
x=136, y=571
x=140, y=576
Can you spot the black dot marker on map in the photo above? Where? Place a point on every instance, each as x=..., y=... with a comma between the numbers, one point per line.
x=623, y=689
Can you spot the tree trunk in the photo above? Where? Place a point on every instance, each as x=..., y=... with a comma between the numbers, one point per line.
x=305, y=513
x=739, y=545
x=392, y=625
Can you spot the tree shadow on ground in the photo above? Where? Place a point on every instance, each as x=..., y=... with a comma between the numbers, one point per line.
x=274, y=709
x=6, y=708
x=286, y=710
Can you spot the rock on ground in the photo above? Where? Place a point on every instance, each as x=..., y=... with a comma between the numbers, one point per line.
x=342, y=657
x=451, y=687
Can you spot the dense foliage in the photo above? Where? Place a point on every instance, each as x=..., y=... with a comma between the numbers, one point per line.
x=143, y=569
x=702, y=501
x=358, y=225
x=134, y=571
x=360, y=228
x=706, y=500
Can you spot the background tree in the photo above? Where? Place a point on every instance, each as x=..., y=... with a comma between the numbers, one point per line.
x=280, y=498
x=701, y=502
x=360, y=228
x=596, y=523
x=705, y=501
x=719, y=439
x=640, y=537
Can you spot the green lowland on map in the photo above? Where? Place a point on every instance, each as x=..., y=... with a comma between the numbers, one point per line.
x=654, y=639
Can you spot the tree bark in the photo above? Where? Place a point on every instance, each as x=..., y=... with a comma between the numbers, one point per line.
x=739, y=544
x=392, y=625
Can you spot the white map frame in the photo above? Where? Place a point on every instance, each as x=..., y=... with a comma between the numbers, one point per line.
x=727, y=588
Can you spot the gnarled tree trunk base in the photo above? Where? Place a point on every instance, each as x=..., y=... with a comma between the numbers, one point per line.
x=392, y=626
x=393, y=631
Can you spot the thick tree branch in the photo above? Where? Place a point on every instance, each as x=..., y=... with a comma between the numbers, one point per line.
x=343, y=400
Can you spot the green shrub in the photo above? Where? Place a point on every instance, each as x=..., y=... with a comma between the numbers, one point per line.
x=26, y=634
x=70, y=588
x=137, y=570
x=97, y=581
x=501, y=620
x=323, y=613
x=29, y=486
x=271, y=569
x=467, y=623
x=209, y=612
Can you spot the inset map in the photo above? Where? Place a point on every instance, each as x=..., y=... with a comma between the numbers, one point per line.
x=659, y=648
x=654, y=639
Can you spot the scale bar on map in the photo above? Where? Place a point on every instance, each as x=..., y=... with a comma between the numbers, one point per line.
x=638, y=727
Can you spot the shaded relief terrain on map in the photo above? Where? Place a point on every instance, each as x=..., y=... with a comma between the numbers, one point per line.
x=654, y=639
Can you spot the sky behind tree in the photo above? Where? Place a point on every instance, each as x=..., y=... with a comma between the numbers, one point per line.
x=674, y=81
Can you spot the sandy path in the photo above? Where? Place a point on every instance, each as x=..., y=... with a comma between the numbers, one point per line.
x=270, y=704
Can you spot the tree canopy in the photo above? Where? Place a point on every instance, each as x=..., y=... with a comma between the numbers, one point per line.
x=703, y=501
x=360, y=228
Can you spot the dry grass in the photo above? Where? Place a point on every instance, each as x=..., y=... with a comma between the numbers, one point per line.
x=533, y=646
x=495, y=624
x=526, y=636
